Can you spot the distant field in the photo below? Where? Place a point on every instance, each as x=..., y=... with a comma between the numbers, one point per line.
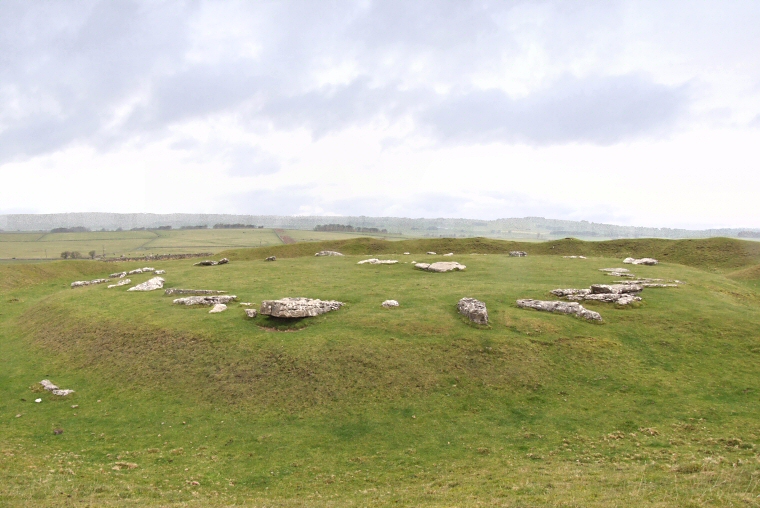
x=140, y=243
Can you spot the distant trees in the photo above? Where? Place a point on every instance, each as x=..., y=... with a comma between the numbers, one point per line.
x=77, y=229
x=71, y=254
x=236, y=226
x=349, y=229
x=195, y=227
x=92, y=254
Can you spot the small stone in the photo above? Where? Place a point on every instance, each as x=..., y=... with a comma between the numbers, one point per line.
x=251, y=313
x=642, y=261
x=37, y=400
x=328, y=253
x=75, y=406
x=271, y=258
x=518, y=253
x=406, y=253
x=375, y=261
x=431, y=253
x=449, y=254
x=389, y=304
x=122, y=282
x=118, y=275
x=160, y=272
x=298, y=307
x=58, y=432
x=205, y=300
x=219, y=307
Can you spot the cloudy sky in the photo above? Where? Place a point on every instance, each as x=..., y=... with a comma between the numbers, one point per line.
x=634, y=113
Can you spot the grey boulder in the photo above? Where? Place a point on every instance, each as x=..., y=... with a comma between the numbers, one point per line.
x=474, y=310
x=390, y=304
x=251, y=313
x=149, y=285
x=122, y=282
x=440, y=266
x=642, y=261
x=271, y=258
x=375, y=261
x=518, y=254
x=219, y=307
x=205, y=300
x=328, y=253
x=179, y=291
x=560, y=307
x=298, y=307
x=80, y=283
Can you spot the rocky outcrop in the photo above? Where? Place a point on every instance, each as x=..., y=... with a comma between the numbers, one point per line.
x=375, y=261
x=271, y=258
x=298, y=307
x=560, y=307
x=622, y=294
x=80, y=283
x=205, y=300
x=642, y=261
x=179, y=291
x=149, y=285
x=474, y=310
x=122, y=282
x=49, y=386
x=518, y=254
x=209, y=262
x=251, y=313
x=390, y=304
x=328, y=253
x=118, y=275
x=440, y=266
x=219, y=307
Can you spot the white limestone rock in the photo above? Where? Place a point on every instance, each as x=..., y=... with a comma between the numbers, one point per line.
x=49, y=386
x=149, y=285
x=406, y=253
x=180, y=291
x=449, y=254
x=328, y=253
x=135, y=271
x=160, y=272
x=122, y=282
x=570, y=292
x=375, y=261
x=251, y=313
x=560, y=307
x=431, y=253
x=615, y=288
x=388, y=304
x=216, y=309
x=298, y=307
x=81, y=283
x=642, y=261
x=440, y=266
x=118, y=275
x=205, y=300
x=518, y=253
x=474, y=310
x=271, y=258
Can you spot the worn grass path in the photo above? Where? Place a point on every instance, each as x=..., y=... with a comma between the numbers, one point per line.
x=658, y=406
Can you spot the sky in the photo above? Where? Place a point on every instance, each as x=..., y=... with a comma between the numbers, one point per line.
x=632, y=113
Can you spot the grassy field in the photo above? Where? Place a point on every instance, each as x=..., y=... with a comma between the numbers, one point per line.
x=657, y=406
x=141, y=243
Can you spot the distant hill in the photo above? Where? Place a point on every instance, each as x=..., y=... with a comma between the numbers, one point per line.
x=528, y=228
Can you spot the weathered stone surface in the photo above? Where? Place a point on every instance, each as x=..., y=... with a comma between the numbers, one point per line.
x=179, y=291
x=431, y=253
x=245, y=304
x=118, y=275
x=642, y=261
x=389, y=304
x=328, y=253
x=80, y=283
x=49, y=386
x=148, y=269
x=208, y=262
x=205, y=300
x=618, y=298
x=160, y=272
x=271, y=258
x=561, y=307
x=440, y=266
x=219, y=307
x=614, y=270
x=251, y=313
x=406, y=253
x=615, y=288
x=135, y=271
x=449, y=254
x=375, y=261
x=149, y=285
x=574, y=257
x=475, y=310
x=122, y=282
x=518, y=254
x=298, y=307
x=571, y=292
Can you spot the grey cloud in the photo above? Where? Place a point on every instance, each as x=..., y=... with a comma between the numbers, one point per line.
x=65, y=71
x=597, y=110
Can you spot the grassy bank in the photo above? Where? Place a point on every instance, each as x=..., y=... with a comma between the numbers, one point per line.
x=366, y=406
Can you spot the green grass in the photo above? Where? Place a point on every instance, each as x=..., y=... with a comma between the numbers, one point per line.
x=367, y=406
x=141, y=243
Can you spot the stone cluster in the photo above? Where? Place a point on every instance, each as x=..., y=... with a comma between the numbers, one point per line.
x=560, y=307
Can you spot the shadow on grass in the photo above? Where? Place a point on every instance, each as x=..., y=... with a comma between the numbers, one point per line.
x=276, y=324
